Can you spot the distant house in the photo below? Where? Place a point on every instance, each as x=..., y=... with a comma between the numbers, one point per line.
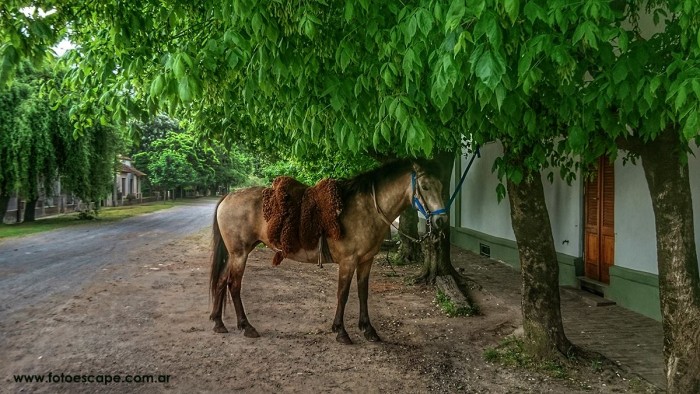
x=128, y=183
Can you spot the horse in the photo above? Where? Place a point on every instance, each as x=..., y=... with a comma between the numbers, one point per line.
x=371, y=201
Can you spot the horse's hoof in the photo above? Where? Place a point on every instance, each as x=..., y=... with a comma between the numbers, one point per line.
x=220, y=329
x=372, y=336
x=344, y=338
x=251, y=332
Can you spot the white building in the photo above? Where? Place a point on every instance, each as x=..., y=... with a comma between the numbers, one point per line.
x=604, y=230
x=128, y=182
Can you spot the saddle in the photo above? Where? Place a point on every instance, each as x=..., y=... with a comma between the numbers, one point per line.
x=299, y=217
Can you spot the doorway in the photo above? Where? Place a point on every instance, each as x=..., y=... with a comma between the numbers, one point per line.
x=599, y=211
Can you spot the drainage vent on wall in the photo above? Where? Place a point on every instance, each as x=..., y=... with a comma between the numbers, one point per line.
x=484, y=250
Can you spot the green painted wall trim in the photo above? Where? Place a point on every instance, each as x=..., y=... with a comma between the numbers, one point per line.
x=640, y=277
x=501, y=249
x=635, y=290
x=507, y=251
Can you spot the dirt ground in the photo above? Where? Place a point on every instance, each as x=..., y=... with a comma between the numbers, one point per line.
x=148, y=315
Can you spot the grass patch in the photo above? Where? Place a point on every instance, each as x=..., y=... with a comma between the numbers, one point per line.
x=395, y=259
x=579, y=369
x=638, y=385
x=119, y=213
x=451, y=309
x=107, y=214
x=511, y=352
x=394, y=255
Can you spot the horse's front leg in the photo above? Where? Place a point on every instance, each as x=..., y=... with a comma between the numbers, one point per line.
x=345, y=272
x=363, y=292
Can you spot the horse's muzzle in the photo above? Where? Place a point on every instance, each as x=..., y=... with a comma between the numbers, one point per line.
x=440, y=221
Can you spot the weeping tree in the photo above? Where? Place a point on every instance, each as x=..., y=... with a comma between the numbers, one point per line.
x=28, y=162
x=10, y=99
x=36, y=159
x=89, y=162
x=86, y=157
x=40, y=146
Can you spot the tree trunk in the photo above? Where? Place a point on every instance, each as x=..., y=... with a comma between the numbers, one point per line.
x=18, y=212
x=409, y=251
x=114, y=191
x=436, y=260
x=30, y=210
x=4, y=201
x=544, y=332
x=679, y=280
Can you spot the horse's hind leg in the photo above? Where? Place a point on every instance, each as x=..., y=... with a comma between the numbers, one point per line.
x=345, y=272
x=237, y=266
x=363, y=293
x=219, y=303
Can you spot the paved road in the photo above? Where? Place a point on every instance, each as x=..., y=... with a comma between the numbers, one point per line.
x=57, y=263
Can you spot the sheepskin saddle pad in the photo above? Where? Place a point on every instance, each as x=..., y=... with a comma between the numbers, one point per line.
x=298, y=215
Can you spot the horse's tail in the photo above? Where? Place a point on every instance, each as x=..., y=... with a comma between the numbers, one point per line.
x=219, y=259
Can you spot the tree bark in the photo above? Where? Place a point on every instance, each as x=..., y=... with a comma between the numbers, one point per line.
x=30, y=210
x=544, y=331
x=409, y=251
x=436, y=260
x=114, y=191
x=679, y=280
x=4, y=201
x=18, y=212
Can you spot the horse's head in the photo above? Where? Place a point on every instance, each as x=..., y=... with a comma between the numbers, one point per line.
x=426, y=197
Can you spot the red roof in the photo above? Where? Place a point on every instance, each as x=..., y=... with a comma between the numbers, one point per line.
x=130, y=169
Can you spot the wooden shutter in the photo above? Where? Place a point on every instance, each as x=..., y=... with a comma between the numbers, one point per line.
x=599, y=211
x=607, y=230
x=592, y=231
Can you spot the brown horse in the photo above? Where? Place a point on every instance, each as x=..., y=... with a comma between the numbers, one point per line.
x=371, y=201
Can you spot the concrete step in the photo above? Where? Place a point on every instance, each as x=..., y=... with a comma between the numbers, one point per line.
x=588, y=297
x=592, y=285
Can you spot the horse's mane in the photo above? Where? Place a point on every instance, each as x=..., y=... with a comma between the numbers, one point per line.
x=362, y=183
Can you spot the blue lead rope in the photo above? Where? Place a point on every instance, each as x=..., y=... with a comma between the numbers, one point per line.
x=416, y=201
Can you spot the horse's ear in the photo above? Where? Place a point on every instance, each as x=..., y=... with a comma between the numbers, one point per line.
x=418, y=169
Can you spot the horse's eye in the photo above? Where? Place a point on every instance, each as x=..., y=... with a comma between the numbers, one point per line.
x=423, y=187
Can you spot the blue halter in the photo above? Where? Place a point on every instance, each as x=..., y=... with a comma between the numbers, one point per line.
x=415, y=201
